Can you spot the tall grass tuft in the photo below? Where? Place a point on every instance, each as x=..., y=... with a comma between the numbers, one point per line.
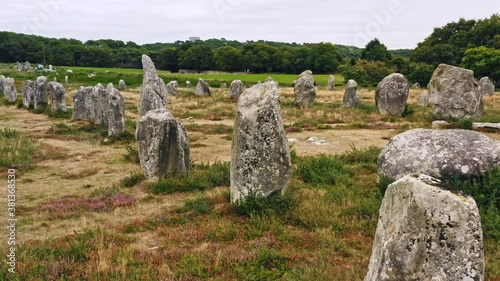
x=16, y=151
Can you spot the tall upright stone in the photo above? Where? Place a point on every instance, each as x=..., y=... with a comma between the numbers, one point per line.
x=116, y=113
x=153, y=89
x=110, y=87
x=83, y=106
x=66, y=80
x=202, y=88
x=57, y=96
x=331, y=83
x=486, y=87
x=188, y=84
x=260, y=154
x=2, y=81
x=426, y=232
x=423, y=99
x=391, y=95
x=9, y=89
x=236, y=89
x=305, y=89
x=121, y=85
x=453, y=93
x=163, y=145
x=41, y=98
x=351, y=98
x=28, y=93
x=100, y=103
x=172, y=88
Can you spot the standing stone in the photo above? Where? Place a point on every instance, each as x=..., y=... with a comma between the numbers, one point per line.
x=110, y=87
x=391, y=95
x=55, y=79
x=439, y=154
x=163, y=145
x=9, y=89
x=331, y=83
x=260, y=154
x=425, y=232
x=27, y=66
x=57, y=96
x=236, y=89
x=116, y=113
x=66, y=79
x=41, y=99
x=121, y=85
x=83, y=106
x=486, y=87
x=351, y=98
x=2, y=81
x=28, y=92
x=416, y=85
x=223, y=85
x=305, y=89
x=172, y=88
x=454, y=94
x=423, y=100
x=269, y=79
x=188, y=84
x=100, y=104
x=153, y=89
x=202, y=88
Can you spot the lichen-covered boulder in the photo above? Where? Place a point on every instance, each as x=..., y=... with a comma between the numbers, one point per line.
x=391, y=95
x=438, y=153
x=172, y=88
x=41, y=97
x=100, y=104
x=28, y=92
x=121, y=85
x=486, y=87
x=153, y=89
x=57, y=96
x=425, y=232
x=83, y=106
x=9, y=89
x=236, y=89
x=351, y=98
x=202, y=88
x=163, y=145
x=453, y=93
x=305, y=89
x=116, y=113
x=423, y=99
x=260, y=154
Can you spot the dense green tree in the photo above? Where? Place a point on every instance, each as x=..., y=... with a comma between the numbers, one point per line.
x=376, y=51
x=168, y=60
x=400, y=65
x=228, y=58
x=420, y=72
x=197, y=58
x=259, y=58
x=484, y=62
x=364, y=72
x=323, y=58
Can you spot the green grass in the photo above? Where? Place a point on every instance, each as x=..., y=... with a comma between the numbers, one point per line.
x=16, y=151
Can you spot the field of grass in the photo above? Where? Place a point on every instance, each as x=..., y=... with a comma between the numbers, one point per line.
x=87, y=213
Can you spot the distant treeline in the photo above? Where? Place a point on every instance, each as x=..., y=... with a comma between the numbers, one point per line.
x=474, y=44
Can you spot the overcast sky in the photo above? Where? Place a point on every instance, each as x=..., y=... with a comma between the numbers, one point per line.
x=397, y=23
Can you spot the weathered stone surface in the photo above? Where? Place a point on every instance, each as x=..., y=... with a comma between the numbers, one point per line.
x=269, y=79
x=116, y=113
x=172, y=88
x=453, y=93
x=202, y=88
x=486, y=87
x=100, y=104
x=66, y=79
x=41, y=98
x=121, y=85
x=236, y=89
x=331, y=83
x=28, y=92
x=83, y=108
x=153, y=89
x=416, y=86
x=440, y=124
x=260, y=154
x=163, y=145
x=223, y=85
x=438, y=153
x=2, y=81
x=426, y=233
x=351, y=98
x=476, y=126
x=423, y=100
x=9, y=89
x=391, y=95
x=57, y=96
x=110, y=87
x=188, y=84
x=305, y=89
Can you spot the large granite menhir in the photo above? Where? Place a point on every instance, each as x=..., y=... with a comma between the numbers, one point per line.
x=153, y=89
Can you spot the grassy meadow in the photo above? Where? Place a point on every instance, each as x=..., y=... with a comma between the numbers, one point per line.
x=86, y=212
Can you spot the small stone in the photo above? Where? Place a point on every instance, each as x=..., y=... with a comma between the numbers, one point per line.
x=121, y=85
x=415, y=86
x=486, y=87
x=351, y=98
x=391, y=95
x=172, y=88
x=236, y=89
x=423, y=100
x=331, y=83
x=440, y=124
x=110, y=87
x=202, y=88
x=305, y=89
x=223, y=85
